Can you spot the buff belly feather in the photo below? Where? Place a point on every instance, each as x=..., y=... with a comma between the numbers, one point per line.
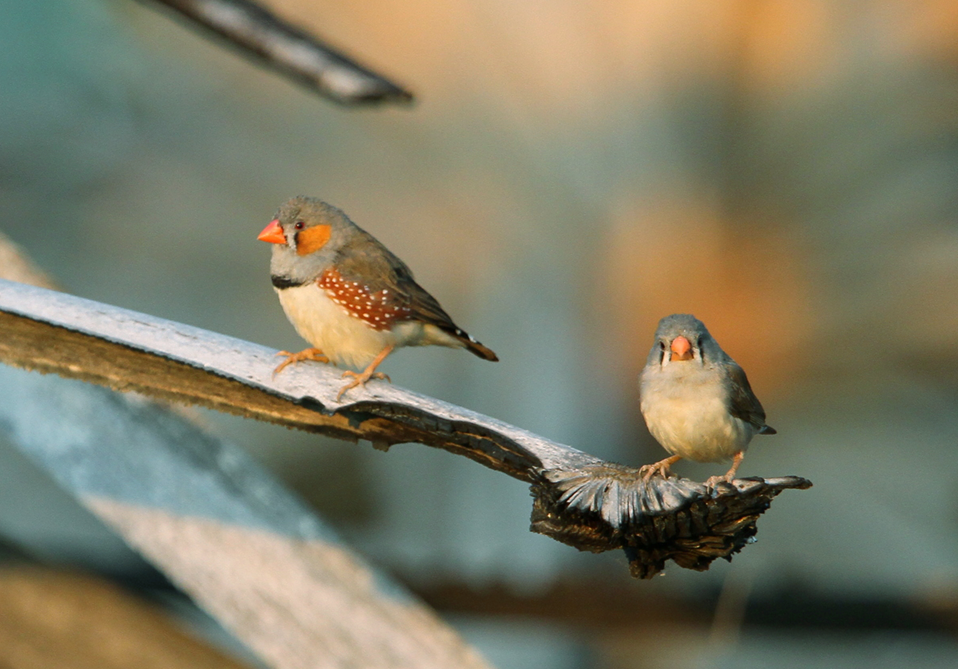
x=347, y=340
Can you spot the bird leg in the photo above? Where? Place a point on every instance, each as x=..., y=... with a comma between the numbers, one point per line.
x=307, y=354
x=662, y=468
x=730, y=474
x=360, y=378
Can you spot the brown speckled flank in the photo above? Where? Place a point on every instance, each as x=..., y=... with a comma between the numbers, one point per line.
x=378, y=310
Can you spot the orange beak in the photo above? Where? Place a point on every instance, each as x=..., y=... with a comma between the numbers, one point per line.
x=272, y=233
x=681, y=349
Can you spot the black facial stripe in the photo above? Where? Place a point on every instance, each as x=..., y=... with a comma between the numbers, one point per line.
x=282, y=282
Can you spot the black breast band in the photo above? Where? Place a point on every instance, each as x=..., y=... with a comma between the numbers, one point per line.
x=282, y=282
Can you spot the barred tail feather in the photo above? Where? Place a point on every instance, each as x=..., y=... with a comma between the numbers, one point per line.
x=478, y=349
x=472, y=345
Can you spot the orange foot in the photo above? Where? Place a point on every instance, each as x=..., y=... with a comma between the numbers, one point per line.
x=307, y=354
x=729, y=475
x=662, y=468
x=360, y=378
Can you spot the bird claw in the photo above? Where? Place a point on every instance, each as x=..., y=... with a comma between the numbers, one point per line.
x=359, y=379
x=662, y=468
x=724, y=478
x=306, y=354
x=715, y=480
x=729, y=475
x=648, y=471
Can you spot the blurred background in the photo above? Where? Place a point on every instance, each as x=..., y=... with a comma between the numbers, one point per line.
x=785, y=170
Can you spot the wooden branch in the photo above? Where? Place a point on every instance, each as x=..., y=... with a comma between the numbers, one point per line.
x=579, y=499
x=59, y=619
x=223, y=530
x=288, y=49
x=601, y=602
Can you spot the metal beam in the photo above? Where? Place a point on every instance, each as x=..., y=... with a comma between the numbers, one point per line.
x=288, y=49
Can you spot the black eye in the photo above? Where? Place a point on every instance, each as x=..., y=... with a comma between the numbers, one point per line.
x=299, y=225
x=662, y=345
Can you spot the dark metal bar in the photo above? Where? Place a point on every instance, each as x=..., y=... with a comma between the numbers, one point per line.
x=288, y=49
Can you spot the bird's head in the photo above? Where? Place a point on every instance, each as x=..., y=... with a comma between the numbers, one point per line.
x=682, y=338
x=306, y=233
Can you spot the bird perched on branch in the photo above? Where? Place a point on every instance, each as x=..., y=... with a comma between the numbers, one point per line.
x=696, y=400
x=348, y=295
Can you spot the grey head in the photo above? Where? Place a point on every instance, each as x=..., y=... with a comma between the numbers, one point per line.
x=703, y=349
x=315, y=232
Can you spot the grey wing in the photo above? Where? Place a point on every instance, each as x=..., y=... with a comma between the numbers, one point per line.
x=379, y=269
x=742, y=401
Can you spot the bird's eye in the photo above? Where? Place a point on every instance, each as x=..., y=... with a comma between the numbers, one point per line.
x=299, y=225
x=661, y=345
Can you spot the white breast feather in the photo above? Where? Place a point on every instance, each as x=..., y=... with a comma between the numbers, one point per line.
x=347, y=340
x=330, y=328
x=684, y=408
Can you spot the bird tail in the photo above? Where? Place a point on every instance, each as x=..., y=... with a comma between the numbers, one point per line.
x=474, y=346
x=469, y=342
x=768, y=429
x=478, y=349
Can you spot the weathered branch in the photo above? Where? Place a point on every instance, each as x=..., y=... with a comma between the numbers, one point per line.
x=289, y=50
x=579, y=499
x=95, y=624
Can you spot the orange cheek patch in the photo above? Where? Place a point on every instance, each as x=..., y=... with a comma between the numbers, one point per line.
x=312, y=239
